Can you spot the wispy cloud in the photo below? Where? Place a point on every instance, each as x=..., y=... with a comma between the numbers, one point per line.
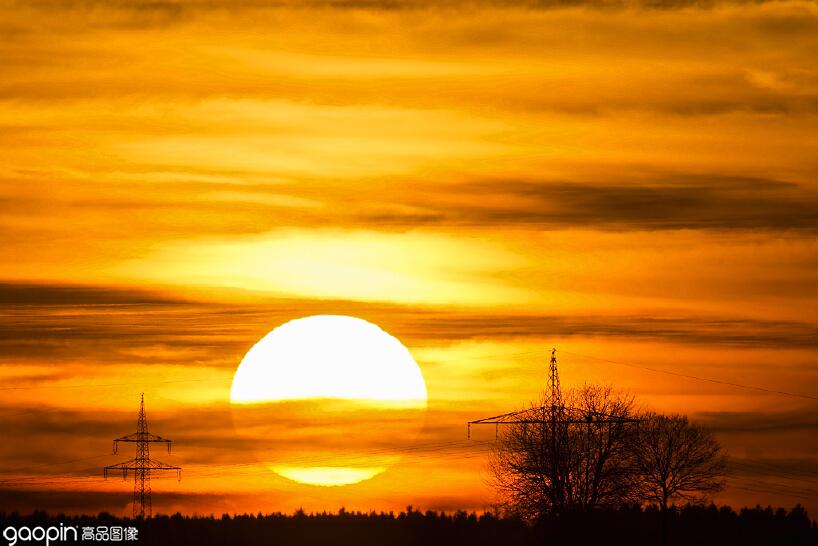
x=139, y=327
x=681, y=202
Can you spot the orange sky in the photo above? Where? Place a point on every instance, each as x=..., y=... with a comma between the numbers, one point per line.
x=628, y=181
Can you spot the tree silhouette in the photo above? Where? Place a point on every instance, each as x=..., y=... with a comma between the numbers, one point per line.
x=554, y=465
x=677, y=460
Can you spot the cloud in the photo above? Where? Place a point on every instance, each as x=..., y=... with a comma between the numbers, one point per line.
x=614, y=202
x=711, y=202
x=79, y=501
x=100, y=324
x=26, y=294
x=175, y=7
x=801, y=422
x=206, y=435
x=207, y=449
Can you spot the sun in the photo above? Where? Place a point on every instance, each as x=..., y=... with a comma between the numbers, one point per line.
x=328, y=356
x=345, y=393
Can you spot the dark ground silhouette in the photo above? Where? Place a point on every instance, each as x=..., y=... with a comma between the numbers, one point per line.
x=689, y=525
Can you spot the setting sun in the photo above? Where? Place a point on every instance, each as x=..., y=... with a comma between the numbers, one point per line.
x=328, y=356
x=328, y=369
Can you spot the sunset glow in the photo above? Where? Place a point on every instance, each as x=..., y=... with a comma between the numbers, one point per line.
x=322, y=236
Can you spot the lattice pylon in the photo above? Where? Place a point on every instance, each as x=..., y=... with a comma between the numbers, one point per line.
x=142, y=464
x=554, y=393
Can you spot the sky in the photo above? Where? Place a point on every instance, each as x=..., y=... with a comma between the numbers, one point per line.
x=631, y=182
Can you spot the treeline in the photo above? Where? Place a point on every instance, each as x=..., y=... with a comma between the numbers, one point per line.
x=626, y=526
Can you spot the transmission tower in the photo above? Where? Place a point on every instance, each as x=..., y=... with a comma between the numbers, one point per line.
x=142, y=465
x=554, y=410
x=554, y=394
x=554, y=421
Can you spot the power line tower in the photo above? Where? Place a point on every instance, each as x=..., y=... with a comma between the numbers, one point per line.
x=553, y=411
x=554, y=394
x=553, y=423
x=142, y=465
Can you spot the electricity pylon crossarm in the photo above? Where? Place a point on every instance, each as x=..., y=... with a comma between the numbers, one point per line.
x=142, y=465
x=554, y=412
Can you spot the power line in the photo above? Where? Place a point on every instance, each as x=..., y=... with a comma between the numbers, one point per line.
x=762, y=490
x=699, y=378
x=767, y=470
x=68, y=461
x=778, y=488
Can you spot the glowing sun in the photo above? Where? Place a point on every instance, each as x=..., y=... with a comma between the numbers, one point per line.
x=332, y=399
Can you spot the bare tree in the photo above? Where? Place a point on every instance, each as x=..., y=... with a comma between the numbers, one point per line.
x=677, y=460
x=553, y=464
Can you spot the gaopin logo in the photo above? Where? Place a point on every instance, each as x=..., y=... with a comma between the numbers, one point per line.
x=70, y=533
x=46, y=535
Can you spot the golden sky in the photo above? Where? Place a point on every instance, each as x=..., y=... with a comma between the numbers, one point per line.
x=629, y=181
